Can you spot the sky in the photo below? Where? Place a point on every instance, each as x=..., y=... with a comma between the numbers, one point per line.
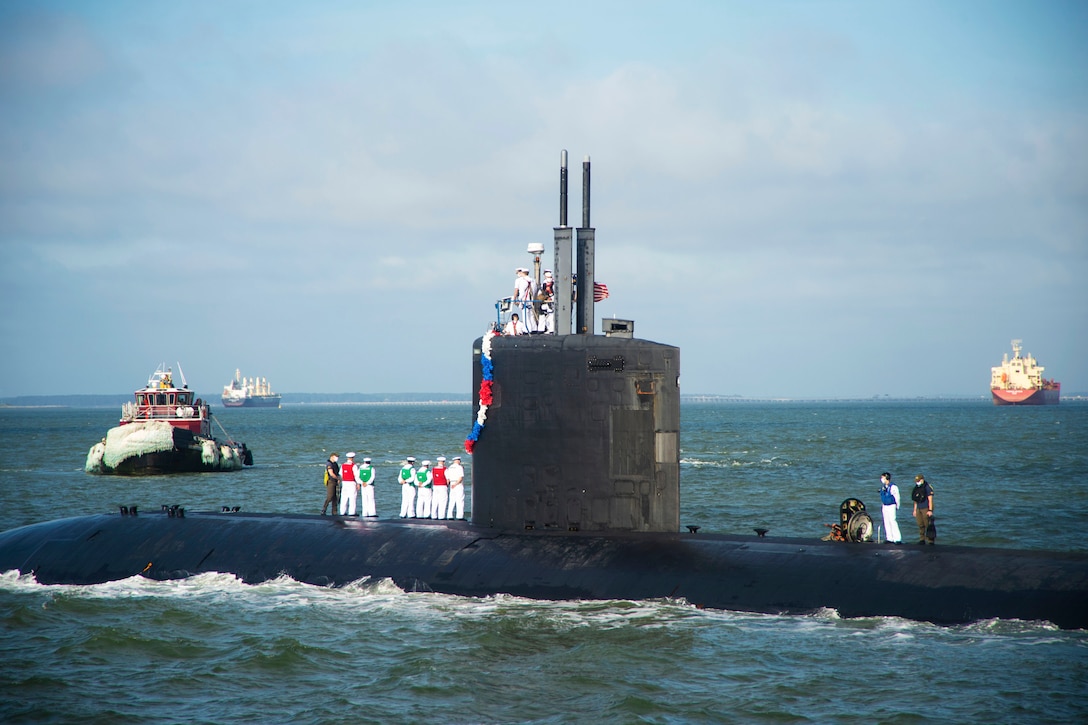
x=809, y=199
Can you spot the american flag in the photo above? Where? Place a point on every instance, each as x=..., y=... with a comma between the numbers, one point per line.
x=600, y=291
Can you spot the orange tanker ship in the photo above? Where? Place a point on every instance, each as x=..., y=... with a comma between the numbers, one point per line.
x=1020, y=381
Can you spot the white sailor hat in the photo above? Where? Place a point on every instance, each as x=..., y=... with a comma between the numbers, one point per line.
x=366, y=460
x=425, y=463
x=441, y=458
x=457, y=458
x=351, y=455
x=411, y=459
x=547, y=273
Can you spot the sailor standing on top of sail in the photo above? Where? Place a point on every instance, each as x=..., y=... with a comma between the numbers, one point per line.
x=523, y=294
x=515, y=326
x=365, y=474
x=424, y=481
x=546, y=321
x=408, y=488
x=349, y=488
x=440, y=497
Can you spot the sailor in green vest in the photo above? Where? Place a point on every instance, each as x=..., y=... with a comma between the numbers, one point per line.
x=408, y=488
x=423, y=491
x=365, y=474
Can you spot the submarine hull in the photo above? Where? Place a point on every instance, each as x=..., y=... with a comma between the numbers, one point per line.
x=944, y=585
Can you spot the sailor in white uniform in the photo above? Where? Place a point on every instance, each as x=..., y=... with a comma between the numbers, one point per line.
x=455, y=476
x=515, y=326
x=365, y=474
x=546, y=321
x=423, y=490
x=349, y=487
x=441, y=489
x=889, y=498
x=523, y=294
x=407, y=480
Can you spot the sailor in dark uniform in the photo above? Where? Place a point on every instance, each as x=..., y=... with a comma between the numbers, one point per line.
x=332, y=484
x=922, y=495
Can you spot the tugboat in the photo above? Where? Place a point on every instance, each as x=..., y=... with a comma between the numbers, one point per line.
x=249, y=393
x=1020, y=381
x=166, y=430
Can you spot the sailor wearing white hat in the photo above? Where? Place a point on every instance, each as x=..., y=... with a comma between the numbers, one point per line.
x=523, y=296
x=424, y=481
x=349, y=487
x=546, y=321
x=455, y=476
x=441, y=490
x=365, y=474
x=408, y=488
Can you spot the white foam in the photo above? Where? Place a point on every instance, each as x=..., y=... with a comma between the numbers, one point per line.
x=137, y=439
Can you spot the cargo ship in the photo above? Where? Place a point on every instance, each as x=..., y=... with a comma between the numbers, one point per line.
x=249, y=393
x=1020, y=381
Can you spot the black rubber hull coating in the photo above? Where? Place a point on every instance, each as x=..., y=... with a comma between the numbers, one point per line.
x=184, y=460
x=940, y=584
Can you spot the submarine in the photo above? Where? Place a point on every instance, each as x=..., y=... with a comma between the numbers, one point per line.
x=575, y=445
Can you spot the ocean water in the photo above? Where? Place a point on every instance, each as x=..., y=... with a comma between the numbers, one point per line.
x=212, y=649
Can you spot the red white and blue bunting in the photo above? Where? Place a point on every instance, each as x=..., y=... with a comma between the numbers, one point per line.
x=485, y=392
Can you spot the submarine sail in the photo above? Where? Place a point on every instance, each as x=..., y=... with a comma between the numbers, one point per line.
x=582, y=430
